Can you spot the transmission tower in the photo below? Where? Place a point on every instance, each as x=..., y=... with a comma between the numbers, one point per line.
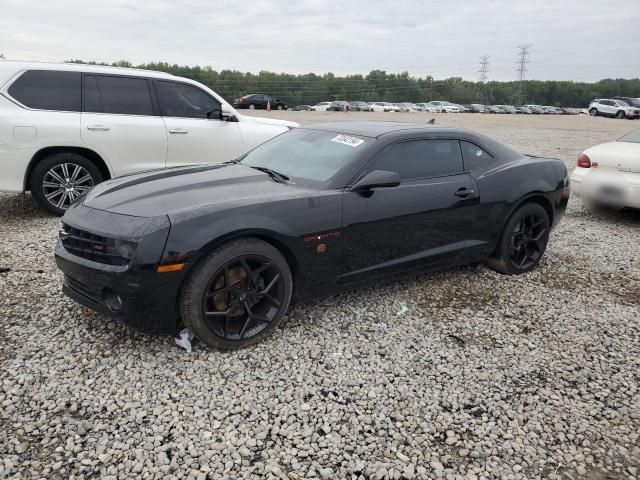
x=484, y=88
x=520, y=91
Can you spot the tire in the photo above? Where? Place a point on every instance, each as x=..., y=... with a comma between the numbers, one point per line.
x=87, y=175
x=620, y=114
x=279, y=107
x=252, y=107
x=593, y=112
x=515, y=246
x=262, y=300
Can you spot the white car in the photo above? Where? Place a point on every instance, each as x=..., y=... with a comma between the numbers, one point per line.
x=609, y=174
x=380, y=106
x=321, y=107
x=445, y=107
x=66, y=127
x=425, y=107
x=613, y=108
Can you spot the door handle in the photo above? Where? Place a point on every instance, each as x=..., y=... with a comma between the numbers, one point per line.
x=98, y=128
x=463, y=192
x=178, y=131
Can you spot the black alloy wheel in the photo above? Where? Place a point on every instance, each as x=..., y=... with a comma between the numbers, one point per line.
x=237, y=294
x=528, y=240
x=523, y=241
x=620, y=114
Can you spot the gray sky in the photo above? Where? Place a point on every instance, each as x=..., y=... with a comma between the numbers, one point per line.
x=572, y=39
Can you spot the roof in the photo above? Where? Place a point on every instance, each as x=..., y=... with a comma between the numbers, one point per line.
x=369, y=129
x=17, y=66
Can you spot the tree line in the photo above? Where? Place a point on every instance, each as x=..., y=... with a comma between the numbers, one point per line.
x=379, y=85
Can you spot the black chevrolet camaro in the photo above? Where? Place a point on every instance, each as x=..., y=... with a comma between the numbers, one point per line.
x=225, y=248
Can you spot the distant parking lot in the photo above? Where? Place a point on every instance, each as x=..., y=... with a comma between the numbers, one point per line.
x=463, y=374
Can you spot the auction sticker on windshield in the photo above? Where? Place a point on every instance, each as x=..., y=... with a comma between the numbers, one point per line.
x=348, y=140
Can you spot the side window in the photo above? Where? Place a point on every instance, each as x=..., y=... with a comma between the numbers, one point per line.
x=421, y=159
x=181, y=100
x=48, y=90
x=113, y=94
x=474, y=156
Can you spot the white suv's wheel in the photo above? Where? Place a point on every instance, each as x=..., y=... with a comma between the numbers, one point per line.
x=620, y=114
x=62, y=178
x=593, y=112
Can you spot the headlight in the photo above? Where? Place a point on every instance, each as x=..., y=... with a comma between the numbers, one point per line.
x=124, y=249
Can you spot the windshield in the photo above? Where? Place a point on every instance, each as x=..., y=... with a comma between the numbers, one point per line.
x=311, y=157
x=633, y=137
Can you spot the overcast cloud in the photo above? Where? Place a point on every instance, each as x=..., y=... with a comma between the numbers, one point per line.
x=571, y=39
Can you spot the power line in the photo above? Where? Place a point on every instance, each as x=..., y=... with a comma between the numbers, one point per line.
x=484, y=88
x=520, y=92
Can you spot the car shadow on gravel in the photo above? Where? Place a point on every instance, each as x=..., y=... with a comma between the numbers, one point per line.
x=18, y=207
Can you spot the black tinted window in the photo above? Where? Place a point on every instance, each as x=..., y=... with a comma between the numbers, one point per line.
x=181, y=100
x=48, y=90
x=474, y=156
x=111, y=94
x=421, y=159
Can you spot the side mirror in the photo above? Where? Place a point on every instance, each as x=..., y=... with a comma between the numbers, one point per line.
x=228, y=115
x=376, y=179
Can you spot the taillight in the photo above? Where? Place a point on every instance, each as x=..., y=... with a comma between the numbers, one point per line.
x=584, y=161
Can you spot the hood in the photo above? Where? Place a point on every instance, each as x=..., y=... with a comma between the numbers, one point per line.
x=170, y=191
x=267, y=121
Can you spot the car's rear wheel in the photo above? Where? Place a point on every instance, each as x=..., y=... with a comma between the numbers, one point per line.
x=237, y=294
x=593, y=112
x=60, y=179
x=523, y=241
x=620, y=114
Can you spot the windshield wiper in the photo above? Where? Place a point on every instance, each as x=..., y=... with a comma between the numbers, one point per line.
x=277, y=176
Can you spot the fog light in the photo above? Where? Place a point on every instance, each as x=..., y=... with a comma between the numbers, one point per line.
x=112, y=300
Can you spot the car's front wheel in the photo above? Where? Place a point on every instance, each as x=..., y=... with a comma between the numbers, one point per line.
x=523, y=241
x=620, y=114
x=252, y=107
x=237, y=294
x=593, y=112
x=60, y=179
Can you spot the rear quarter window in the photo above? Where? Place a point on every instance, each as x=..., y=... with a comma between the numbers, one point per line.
x=473, y=156
x=48, y=90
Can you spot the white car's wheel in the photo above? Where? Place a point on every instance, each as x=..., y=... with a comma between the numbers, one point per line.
x=593, y=112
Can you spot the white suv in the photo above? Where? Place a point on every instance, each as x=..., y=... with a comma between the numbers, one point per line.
x=66, y=127
x=613, y=108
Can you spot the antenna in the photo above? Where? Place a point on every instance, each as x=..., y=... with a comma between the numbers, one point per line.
x=484, y=88
x=520, y=92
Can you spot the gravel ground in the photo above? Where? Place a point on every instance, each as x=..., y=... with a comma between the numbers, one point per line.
x=464, y=374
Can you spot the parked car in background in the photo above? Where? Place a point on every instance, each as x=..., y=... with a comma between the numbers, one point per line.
x=523, y=110
x=65, y=128
x=224, y=249
x=407, y=107
x=378, y=106
x=494, y=109
x=477, y=108
x=321, y=107
x=260, y=101
x=568, y=111
x=613, y=108
x=631, y=101
x=359, y=106
x=608, y=175
x=425, y=107
x=302, y=108
x=394, y=107
x=445, y=107
x=339, y=106
x=536, y=109
x=550, y=110
x=507, y=109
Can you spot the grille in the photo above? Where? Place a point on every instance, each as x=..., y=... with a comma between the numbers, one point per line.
x=90, y=246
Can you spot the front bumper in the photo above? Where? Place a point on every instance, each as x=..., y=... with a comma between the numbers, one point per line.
x=135, y=294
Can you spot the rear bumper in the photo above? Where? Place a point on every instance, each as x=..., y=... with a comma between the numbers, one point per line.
x=607, y=187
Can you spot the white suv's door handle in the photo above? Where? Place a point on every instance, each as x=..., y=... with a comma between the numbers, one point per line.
x=178, y=131
x=98, y=128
